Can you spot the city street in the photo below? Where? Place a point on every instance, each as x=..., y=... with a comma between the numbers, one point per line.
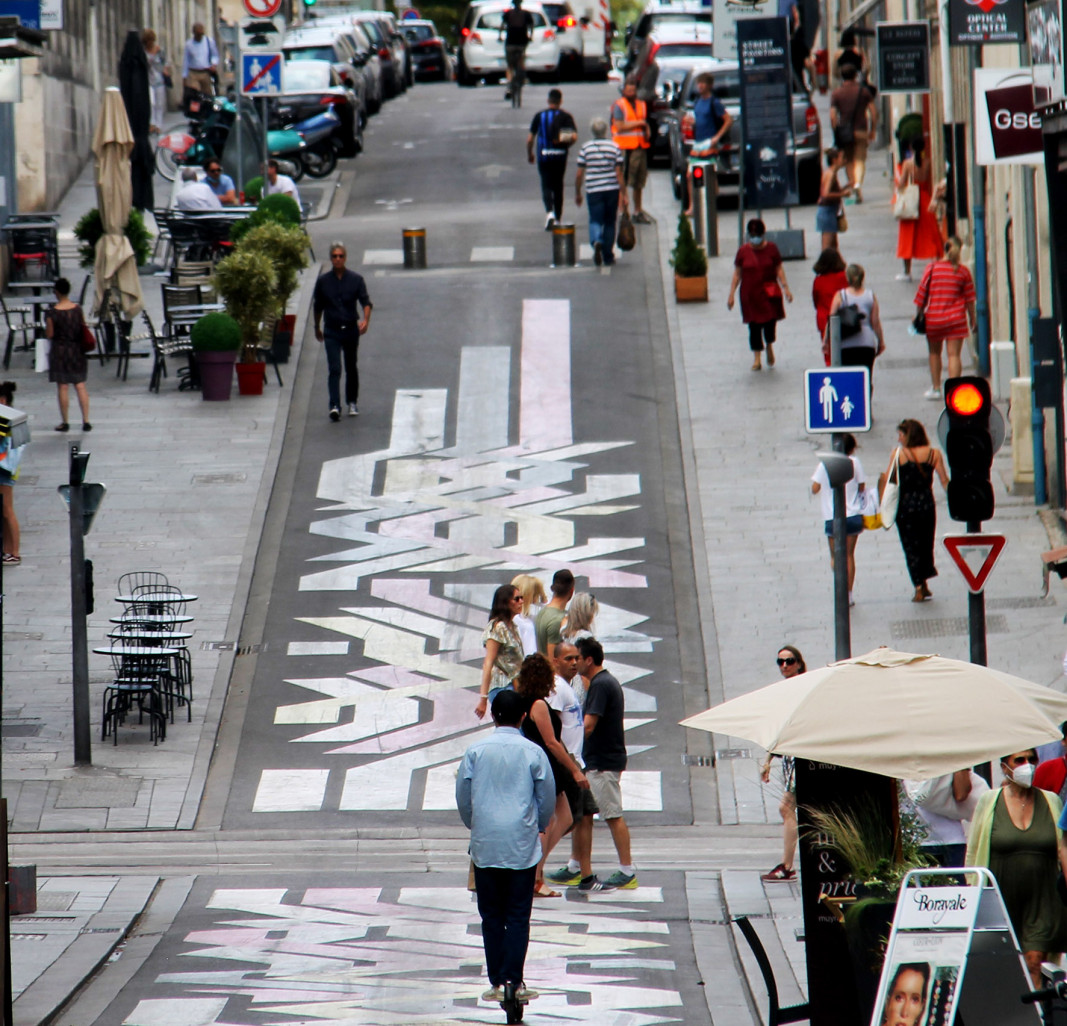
x=514, y=418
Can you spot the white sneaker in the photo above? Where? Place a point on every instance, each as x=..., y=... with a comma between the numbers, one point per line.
x=550, y=220
x=932, y=393
x=904, y=277
x=353, y=410
x=493, y=994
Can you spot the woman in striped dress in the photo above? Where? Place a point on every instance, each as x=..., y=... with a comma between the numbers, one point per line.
x=946, y=293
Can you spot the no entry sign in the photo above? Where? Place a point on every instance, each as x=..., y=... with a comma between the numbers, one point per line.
x=262, y=8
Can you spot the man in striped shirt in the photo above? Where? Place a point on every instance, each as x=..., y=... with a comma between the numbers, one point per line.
x=600, y=164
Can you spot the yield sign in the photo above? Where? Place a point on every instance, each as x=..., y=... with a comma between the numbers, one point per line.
x=975, y=555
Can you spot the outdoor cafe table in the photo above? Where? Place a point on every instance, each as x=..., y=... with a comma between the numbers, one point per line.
x=147, y=634
x=150, y=618
x=157, y=598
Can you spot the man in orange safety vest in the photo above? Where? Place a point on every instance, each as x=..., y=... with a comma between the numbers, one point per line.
x=630, y=132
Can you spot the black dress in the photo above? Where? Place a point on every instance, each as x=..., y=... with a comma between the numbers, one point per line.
x=562, y=776
x=917, y=517
x=67, y=364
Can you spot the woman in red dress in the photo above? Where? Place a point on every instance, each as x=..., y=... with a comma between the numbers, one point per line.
x=947, y=294
x=918, y=239
x=829, y=280
x=759, y=271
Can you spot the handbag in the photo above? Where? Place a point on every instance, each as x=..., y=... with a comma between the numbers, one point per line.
x=41, y=349
x=850, y=317
x=906, y=207
x=842, y=222
x=887, y=508
x=88, y=338
x=627, y=234
x=872, y=519
x=773, y=292
x=919, y=322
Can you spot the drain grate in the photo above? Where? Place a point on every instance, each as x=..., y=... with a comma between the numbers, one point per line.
x=733, y=753
x=21, y=729
x=697, y=760
x=1023, y=602
x=55, y=901
x=217, y=479
x=231, y=646
x=23, y=635
x=943, y=627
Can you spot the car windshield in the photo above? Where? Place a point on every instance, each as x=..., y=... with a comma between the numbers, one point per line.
x=680, y=17
x=492, y=20
x=418, y=33
x=305, y=76
x=372, y=30
x=727, y=86
x=309, y=53
x=693, y=49
x=555, y=11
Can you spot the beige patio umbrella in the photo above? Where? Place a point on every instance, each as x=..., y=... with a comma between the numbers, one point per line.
x=894, y=713
x=115, y=263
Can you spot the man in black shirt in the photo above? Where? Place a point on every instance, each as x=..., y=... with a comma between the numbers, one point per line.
x=336, y=294
x=516, y=26
x=552, y=133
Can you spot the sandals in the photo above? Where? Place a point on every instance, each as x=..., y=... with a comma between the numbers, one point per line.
x=541, y=891
x=779, y=873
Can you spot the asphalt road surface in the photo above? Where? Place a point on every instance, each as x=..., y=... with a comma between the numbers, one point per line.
x=513, y=418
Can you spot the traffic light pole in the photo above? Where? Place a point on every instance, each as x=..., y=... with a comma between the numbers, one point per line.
x=976, y=613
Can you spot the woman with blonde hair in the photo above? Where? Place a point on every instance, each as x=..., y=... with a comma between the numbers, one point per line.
x=581, y=613
x=533, y=597
x=946, y=295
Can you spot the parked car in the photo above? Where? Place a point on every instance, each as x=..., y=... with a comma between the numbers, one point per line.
x=365, y=60
x=568, y=34
x=661, y=67
x=324, y=43
x=391, y=56
x=656, y=15
x=807, y=133
x=401, y=48
x=482, y=46
x=429, y=52
x=308, y=88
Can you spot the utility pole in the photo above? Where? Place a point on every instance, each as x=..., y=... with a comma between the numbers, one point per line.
x=78, y=631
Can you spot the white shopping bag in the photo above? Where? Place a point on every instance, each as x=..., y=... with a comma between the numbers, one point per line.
x=41, y=351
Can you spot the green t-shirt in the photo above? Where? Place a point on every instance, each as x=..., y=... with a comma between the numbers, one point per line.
x=547, y=626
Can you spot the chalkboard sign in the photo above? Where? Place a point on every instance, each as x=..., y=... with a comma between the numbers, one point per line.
x=835, y=994
x=903, y=56
x=770, y=174
x=981, y=22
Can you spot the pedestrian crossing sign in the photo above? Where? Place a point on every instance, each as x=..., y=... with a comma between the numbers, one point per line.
x=261, y=73
x=837, y=399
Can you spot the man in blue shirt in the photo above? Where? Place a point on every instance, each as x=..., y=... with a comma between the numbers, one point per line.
x=711, y=122
x=221, y=184
x=552, y=133
x=505, y=794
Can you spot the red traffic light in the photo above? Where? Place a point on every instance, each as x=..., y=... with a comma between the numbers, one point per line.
x=698, y=176
x=967, y=399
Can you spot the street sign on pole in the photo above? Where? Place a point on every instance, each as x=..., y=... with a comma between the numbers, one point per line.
x=261, y=73
x=261, y=33
x=975, y=555
x=836, y=399
x=263, y=8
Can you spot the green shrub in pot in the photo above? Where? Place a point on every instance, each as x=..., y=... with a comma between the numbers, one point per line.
x=286, y=247
x=248, y=284
x=216, y=333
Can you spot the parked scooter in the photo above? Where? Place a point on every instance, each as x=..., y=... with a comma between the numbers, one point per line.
x=208, y=137
x=319, y=156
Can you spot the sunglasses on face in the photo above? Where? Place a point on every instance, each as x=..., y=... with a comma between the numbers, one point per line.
x=1022, y=760
x=214, y=170
x=337, y=256
x=791, y=661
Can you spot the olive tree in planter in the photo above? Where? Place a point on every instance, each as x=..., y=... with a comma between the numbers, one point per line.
x=215, y=338
x=248, y=284
x=690, y=266
x=286, y=247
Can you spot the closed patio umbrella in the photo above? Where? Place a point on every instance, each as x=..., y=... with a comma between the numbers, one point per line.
x=115, y=263
x=133, y=84
x=894, y=713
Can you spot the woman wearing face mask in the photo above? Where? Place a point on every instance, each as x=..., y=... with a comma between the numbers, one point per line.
x=1015, y=833
x=758, y=269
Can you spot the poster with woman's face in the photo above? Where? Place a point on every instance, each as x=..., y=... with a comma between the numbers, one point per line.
x=919, y=980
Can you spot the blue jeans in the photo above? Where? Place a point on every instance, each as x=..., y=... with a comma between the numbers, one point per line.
x=505, y=898
x=336, y=348
x=603, y=209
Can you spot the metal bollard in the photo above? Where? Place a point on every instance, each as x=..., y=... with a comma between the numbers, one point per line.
x=414, y=249
x=711, y=210
x=699, y=170
x=563, y=254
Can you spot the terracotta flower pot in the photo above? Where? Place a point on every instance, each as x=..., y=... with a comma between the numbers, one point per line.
x=216, y=374
x=691, y=290
x=250, y=378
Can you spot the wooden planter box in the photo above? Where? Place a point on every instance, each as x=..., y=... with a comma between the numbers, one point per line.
x=691, y=290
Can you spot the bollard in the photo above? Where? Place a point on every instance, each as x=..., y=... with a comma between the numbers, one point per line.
x=699, y=170
x=414, y=249
x=563, y=254
x=711, y=210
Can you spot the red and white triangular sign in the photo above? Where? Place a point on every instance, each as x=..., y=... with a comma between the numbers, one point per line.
x=975, y=555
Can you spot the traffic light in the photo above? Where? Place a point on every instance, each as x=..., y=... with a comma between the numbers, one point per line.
x=308, y=3
x=698, y=176
x=969, y=446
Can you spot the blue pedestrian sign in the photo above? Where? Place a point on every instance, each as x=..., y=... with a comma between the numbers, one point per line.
x=261, y=73
x=836, y=399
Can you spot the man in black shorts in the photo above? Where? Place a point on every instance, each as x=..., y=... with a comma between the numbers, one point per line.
x=516, y=26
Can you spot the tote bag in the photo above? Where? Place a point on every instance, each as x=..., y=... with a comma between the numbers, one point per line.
x=906, y=206
x=887, y=509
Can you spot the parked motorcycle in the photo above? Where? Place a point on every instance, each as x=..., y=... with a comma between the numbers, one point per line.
x=319, y=156
x=207, y=138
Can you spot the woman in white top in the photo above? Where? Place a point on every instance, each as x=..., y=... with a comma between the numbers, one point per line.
x=861, y=348
x=533, y=597
x=854, y=489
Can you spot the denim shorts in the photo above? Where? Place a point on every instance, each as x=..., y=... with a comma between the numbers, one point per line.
x=853, y=525
x=826, y=219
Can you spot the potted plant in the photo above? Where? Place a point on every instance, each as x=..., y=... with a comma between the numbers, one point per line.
x=286, y=247
x=253, y=189
x=275, y=207
x=215, y=338
x=248, y=285
x=90, y=228
x=690, y=266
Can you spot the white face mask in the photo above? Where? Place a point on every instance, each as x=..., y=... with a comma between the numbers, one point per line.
x=1023, y=775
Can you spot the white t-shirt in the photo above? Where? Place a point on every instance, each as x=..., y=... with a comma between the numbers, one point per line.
x=527, y=634
x=196, y=196
x=853, y=501
x=565, y=702
x=284, y=185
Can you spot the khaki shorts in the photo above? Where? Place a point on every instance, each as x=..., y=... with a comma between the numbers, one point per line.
x=606, y=790
x=635, y=170
x=857, y=149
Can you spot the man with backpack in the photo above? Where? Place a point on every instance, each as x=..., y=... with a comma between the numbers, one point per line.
x=711, y=122
x=552, y=133
x=854, y=118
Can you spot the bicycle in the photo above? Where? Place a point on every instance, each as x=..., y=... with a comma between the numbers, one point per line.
x=516, y=58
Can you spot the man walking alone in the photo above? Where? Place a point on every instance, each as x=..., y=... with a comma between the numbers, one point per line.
x=505, y=795
x=336, y=294
x=552, y=133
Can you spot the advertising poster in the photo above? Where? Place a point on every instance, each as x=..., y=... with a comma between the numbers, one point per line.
x=725, y=16
x=1007, y=129
x=770, y=174
x=982, y=22
x=903, y=56
x=1045, y=26
x=920, y=980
